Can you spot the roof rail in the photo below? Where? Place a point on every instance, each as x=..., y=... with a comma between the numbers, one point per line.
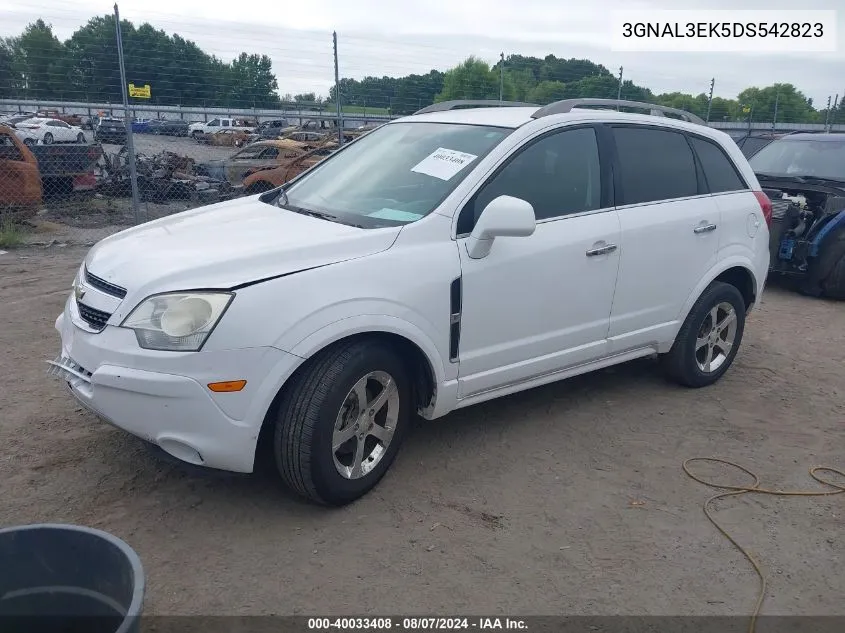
x=567, y=105
x=470, y=103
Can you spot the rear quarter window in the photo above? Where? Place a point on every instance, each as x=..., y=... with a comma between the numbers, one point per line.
x=719, y=170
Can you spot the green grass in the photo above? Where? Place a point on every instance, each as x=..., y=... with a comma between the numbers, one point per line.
x=11, y=234
x=351, y=109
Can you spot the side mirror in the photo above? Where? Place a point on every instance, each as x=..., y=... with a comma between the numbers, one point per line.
x=505, y=216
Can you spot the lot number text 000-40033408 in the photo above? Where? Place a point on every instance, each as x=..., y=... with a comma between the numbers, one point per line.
x=415, y=623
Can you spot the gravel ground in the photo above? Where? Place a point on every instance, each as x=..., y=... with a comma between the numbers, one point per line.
x=150, y=144
x=567, y=499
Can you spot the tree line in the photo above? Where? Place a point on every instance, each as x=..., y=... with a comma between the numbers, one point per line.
x=37, y=65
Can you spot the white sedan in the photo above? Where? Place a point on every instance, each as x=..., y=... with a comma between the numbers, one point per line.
x=48, y=131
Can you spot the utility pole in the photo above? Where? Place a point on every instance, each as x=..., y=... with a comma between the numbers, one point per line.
x=337, y=93
x=833, y=112
x=775, y=118
x=827, y=114
x=710, y=99
x=130, y=146
x=619, y=89
x=502, y=77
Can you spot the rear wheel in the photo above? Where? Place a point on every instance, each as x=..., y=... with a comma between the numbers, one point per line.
x=80, y=138
x=29, y=141
x=709, y=339
x=834, y=285
x=48, y=139
x=341, y=422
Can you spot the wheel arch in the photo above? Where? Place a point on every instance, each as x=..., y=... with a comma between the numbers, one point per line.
x=419, y=353
x=736, y=271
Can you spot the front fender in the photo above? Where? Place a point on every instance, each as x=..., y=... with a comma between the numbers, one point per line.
x=364, y=323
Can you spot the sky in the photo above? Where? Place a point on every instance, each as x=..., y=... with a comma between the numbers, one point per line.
x=378, y=37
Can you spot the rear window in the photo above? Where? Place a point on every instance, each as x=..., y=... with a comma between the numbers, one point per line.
x=654, y=165
x=719, y=171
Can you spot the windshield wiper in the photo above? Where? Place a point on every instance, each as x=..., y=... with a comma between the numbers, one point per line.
x=799, y=179
x=823, y=179
x=319, y=214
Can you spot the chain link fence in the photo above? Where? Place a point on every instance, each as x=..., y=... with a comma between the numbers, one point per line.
x=204, y=131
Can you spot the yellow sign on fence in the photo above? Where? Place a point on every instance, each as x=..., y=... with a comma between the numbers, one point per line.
x=139, y=92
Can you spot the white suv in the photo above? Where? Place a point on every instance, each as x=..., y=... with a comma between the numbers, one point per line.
x=444, y=259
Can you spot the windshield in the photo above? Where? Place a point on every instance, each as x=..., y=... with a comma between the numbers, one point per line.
x=394, y=175
x=802, y=157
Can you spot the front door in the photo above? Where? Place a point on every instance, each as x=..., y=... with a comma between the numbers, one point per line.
x=538, y=304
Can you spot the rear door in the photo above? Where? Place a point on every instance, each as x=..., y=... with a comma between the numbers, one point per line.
x=670, y=233
x=741, y=219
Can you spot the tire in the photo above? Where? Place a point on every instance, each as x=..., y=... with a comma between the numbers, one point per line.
x=48, y=139
x=681, y=363
x=307, y=414
x=29, y=142
x=834, y=285
x=80, y=138
x=196, y=135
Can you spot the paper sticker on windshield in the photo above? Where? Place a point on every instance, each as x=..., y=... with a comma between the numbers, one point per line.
x=394, y=214
x=443, y=163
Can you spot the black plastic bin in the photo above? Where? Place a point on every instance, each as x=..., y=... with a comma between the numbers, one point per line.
x=68, y=579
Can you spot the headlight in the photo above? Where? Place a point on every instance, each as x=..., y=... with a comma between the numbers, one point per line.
x=178, y=321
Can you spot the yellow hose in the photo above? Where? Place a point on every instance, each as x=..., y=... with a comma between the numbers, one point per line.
x=755, y=488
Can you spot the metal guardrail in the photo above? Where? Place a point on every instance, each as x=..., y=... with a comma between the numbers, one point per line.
x=444, y=106
x=311, y=113
x=154, y=111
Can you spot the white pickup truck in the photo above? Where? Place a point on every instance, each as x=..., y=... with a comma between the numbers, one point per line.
x=220, y=123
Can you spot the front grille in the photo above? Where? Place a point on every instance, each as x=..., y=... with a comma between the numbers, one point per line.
x=104, y=286
x=93, y=317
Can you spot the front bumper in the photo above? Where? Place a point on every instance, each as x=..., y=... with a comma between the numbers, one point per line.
x=163, y=398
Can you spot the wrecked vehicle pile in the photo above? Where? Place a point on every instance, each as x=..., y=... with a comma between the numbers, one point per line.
x=162, y=177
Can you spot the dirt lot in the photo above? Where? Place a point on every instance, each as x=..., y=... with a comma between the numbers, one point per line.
x=565, y=499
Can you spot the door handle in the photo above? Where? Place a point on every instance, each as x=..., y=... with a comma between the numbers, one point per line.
x=704, y=228
x=601, y=250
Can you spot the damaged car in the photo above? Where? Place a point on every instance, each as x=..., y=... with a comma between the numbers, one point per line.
x=804, y=176
x=254, y=157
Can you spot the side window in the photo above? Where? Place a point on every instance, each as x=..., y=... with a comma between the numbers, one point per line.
x=654, y=165
x=718, y=169
x=8, y=149
x=225, y=123
x=270, y=152
x=214, y=123
x=559, y=175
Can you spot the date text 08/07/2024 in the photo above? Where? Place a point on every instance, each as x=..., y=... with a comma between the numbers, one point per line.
x=414, y=623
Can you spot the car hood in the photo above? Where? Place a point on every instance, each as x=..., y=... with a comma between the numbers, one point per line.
x=226, y=245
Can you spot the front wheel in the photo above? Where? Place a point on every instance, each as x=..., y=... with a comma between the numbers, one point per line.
x=709, y=339
x=48, y=139
x=80, y=138
x=341, y=422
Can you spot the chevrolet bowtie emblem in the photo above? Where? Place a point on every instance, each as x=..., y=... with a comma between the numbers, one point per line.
x=78, y=292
